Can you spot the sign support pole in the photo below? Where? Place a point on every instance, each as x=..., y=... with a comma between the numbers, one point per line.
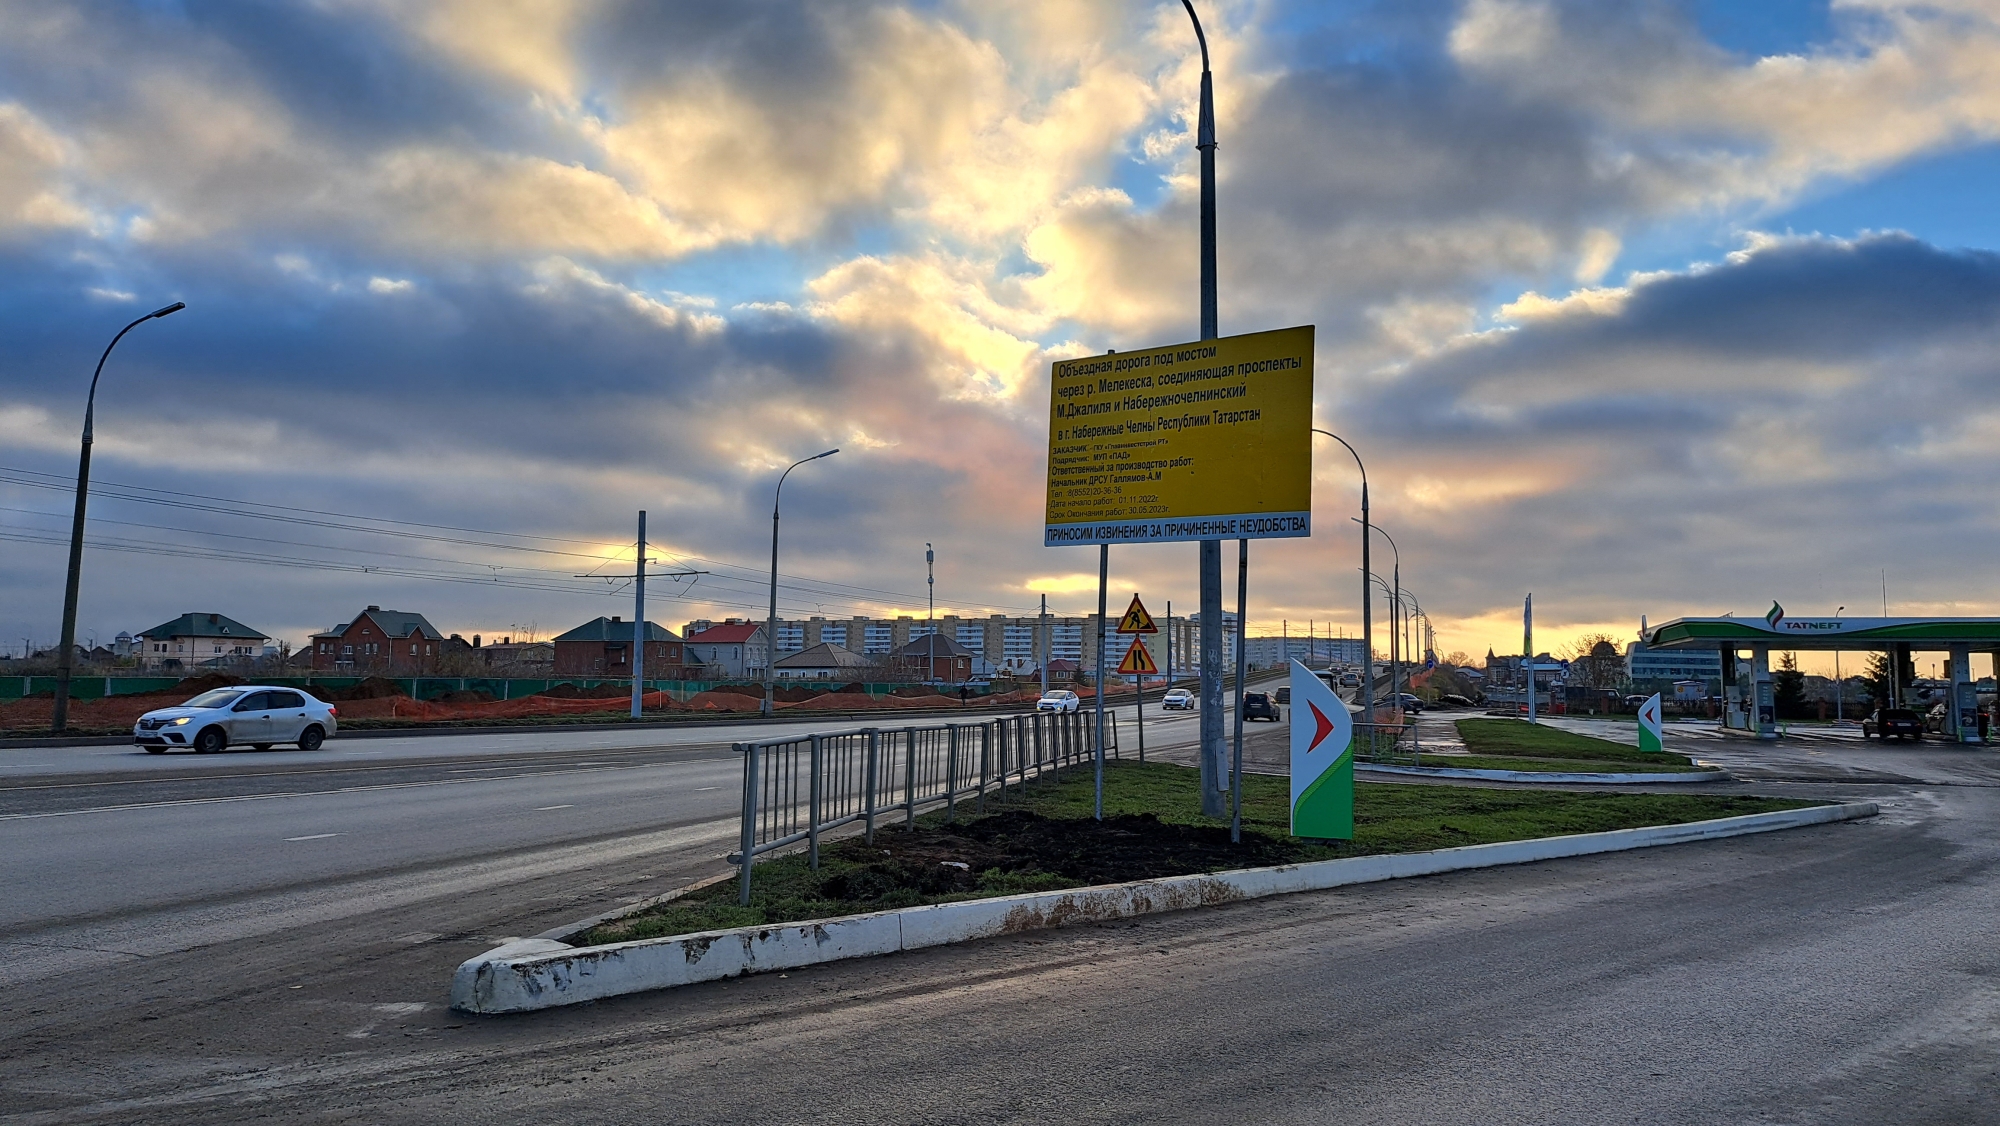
x=1103, y=574
x=1242, y=667
x=1528, y=651
x=1212, y=746
x=639, y=624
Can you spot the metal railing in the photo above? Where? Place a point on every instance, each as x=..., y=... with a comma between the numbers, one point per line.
x=1393, y=744
x=801, y=787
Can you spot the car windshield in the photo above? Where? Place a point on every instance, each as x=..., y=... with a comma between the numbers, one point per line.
x=214, y=698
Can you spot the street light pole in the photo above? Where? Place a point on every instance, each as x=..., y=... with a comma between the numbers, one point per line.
x=1213, y=741
x=771, y=625
x=1396, y=603
x=66, y=658
x=1367, y=595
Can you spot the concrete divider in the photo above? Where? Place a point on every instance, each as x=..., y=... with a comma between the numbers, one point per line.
x=540, y=973
x=1605, y=779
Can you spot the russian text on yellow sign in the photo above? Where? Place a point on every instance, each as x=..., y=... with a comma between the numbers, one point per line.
x=1215, y=427
x=1136, y=619
x=1138, y=660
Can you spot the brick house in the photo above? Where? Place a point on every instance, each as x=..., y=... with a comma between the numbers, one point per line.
x=933, y=657
x=380, y=642
x=603, y=647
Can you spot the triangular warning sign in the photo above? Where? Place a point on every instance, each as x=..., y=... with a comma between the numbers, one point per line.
x=1138, y=662
x=1136, y=620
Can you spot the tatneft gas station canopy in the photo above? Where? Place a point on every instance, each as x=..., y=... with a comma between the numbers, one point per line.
x=1777, y=631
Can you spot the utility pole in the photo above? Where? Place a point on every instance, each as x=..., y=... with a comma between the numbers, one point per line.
x=1528, y=650
x=930, y=615
x=1214, y=745
x=1042, y=630
x=638, y=577
x=639, y=623
x=771, y=629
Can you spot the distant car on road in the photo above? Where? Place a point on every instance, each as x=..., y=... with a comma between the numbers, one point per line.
x=1350, y=680
x=1412, y=704
x=1635, y=701
x=1454, y=700
x=1900, y=722
x=1285, y=694
x=1059, y=700
x=259, y=715
x=1178, y=699
x=1258, y=705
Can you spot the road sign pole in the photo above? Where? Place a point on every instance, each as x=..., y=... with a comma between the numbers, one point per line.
x=1103, y=574
x=1242, y=668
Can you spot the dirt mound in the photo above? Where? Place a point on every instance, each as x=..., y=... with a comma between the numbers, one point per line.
x=838, y=702
x=370, y=688
x=567, y=691
x=466, y=696
x=954, y=858
x=756, y=690
x=716, y=700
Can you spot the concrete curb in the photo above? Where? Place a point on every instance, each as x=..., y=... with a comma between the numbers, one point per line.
x=539, y=973
x=1683, y=776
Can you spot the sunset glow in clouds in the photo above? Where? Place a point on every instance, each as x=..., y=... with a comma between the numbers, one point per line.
x=1647, y=307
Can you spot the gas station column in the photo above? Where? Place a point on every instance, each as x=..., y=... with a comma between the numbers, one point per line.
x=1963, y=711
x=1764, y=708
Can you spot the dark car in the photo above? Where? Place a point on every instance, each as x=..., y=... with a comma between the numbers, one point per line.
x=1454, y=700
x=1900, y=722
x=1285, y=694
x=1412, y=704
x=1258, y=705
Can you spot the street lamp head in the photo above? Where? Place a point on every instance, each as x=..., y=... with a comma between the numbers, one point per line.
x=828, y=453
x=173, y=308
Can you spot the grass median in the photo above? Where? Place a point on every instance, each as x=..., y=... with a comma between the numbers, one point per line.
x=1043, y=838
x=1518, y=739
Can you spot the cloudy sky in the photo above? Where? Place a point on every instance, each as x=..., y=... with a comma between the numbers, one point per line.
x=1649, y=308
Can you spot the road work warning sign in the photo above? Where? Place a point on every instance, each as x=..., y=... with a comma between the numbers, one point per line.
x=1138, y=660
x=1136, y=619
x=1209, y=440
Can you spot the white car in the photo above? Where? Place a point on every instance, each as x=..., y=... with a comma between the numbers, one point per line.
x=1178, y=698
x=1059, y=700
x=257, y=714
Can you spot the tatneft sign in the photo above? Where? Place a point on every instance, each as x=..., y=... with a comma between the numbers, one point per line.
x=1203, y=441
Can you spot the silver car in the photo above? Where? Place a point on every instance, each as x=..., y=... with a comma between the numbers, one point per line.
x=1178, y=698
x=259, y=715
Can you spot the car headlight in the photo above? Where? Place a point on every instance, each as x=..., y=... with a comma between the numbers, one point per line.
x=179, y=722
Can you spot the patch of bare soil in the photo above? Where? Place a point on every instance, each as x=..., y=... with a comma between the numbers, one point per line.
x=951, y=858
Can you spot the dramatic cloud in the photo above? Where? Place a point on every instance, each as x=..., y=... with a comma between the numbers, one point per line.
x=529, y=266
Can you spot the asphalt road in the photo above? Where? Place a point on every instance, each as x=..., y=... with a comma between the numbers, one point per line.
x=192, y=962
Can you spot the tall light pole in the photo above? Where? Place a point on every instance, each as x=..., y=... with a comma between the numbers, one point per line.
x=66, y=658
x=1367, y=595
x=771, y=626
x=1214, y=745
x=1396, y=598
x=930, y=615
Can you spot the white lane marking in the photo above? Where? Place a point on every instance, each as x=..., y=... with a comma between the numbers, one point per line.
x=294, y=794
x=314, y=837
x=546, y=808
x=699, y=789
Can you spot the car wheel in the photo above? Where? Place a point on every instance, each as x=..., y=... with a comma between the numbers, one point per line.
x=311, y=738
x=210, y=740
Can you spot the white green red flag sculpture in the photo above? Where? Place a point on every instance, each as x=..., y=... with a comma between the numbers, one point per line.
x=1322, y=760
x=1651, y=736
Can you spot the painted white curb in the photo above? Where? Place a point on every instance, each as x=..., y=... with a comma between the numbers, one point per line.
x=1544, y=776
x=541, y=974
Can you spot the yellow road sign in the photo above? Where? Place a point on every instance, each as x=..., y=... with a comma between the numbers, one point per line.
x=1138, y=661
x=1136, y=620
x=1209, y=440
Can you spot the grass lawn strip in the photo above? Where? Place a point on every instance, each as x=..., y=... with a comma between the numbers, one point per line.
x=1513, y=738
x=1044, y=839
x=1558, y=765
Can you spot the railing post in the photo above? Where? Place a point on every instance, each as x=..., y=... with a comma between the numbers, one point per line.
x=985, y=761
x=909, y=777
x=950, y=772
x=874, y=760
x=812, y=806
x=749, y=836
